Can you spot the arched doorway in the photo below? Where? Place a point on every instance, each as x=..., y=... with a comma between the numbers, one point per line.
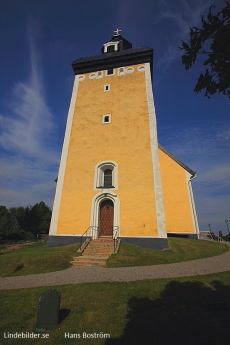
x=106, y=215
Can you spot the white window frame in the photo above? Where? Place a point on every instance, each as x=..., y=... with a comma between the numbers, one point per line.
x=81, y=77
x=92, y=75
x=99, y=74
x=121, y=71
x=107, y=85
x=141, y=68
x=108, y=75
x=106, y=45
x=99, y=175
x=129, y=70
x=104, y=117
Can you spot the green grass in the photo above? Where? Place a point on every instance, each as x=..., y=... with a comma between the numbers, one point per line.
x=181, y=250
x=161, y=311
x=36, y=258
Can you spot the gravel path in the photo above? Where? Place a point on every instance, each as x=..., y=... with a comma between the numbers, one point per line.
x=75, y=274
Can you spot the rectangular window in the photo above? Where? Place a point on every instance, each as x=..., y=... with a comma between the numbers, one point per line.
x=111, y=48
x=108, y=178
x=106, y=118
x=107, y=87
x=109, y=71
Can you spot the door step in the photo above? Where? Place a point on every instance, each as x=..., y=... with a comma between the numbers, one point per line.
x=96, y=253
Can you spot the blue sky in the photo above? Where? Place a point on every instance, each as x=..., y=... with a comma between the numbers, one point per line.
x=39, y=39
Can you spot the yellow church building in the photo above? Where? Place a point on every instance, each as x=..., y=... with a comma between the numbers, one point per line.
x=115, y=180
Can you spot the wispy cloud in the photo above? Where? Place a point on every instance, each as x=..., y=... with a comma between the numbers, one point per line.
x=212, y=140
x=182, y=15
x=29, y=120
x=26, y=182
x=29, y=162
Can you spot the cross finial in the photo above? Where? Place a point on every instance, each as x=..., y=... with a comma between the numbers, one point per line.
x=117, y=31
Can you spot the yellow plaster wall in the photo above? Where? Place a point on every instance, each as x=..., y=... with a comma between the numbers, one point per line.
x=178, y=213
x=126, y=140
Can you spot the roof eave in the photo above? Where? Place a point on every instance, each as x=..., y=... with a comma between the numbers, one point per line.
x=192, y=172
x=113, y=61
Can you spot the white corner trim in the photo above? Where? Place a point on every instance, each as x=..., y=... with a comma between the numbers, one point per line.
x=62, y=167
x=192, y=203
x=155, y=159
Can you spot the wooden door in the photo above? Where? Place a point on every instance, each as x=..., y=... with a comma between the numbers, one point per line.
x=106, y=218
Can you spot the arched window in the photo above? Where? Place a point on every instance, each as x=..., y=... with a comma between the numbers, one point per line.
x=108, y=177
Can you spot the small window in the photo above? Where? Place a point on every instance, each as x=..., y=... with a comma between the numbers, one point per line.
x=129, y=70
x=108, y=178
x=107, y=87
x=99, y=75
x=109, y=71
x=92, y=76
x=106, y=118
x=141, y=68
x=121, y=71
x=111, y=48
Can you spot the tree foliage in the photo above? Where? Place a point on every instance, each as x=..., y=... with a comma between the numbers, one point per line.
x=24, y=222
x=212, y=41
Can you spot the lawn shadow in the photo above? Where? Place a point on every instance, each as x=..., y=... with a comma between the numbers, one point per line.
x=18, y=268
x=63, y=313
x=186, y=313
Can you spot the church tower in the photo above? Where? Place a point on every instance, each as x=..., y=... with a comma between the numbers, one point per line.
x=113, y=176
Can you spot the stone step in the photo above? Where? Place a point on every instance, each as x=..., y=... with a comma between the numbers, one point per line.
x=99, y=248
x=90, y=258
x=101, y=243
x=89, y=261
x=95, y=253
x=110, y=249
x=86, y=264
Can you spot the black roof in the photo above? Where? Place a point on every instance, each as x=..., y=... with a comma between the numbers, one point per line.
x=115, y=59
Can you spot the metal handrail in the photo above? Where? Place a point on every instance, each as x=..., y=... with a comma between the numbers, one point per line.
x=92, y=228
x=82, y=237
x=115, y=233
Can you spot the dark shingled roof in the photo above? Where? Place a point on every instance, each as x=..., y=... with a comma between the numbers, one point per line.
x=112, y=54
x=193, y=173
x=115, y=59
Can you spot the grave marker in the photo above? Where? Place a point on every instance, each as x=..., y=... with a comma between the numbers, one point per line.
x=48, y=310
